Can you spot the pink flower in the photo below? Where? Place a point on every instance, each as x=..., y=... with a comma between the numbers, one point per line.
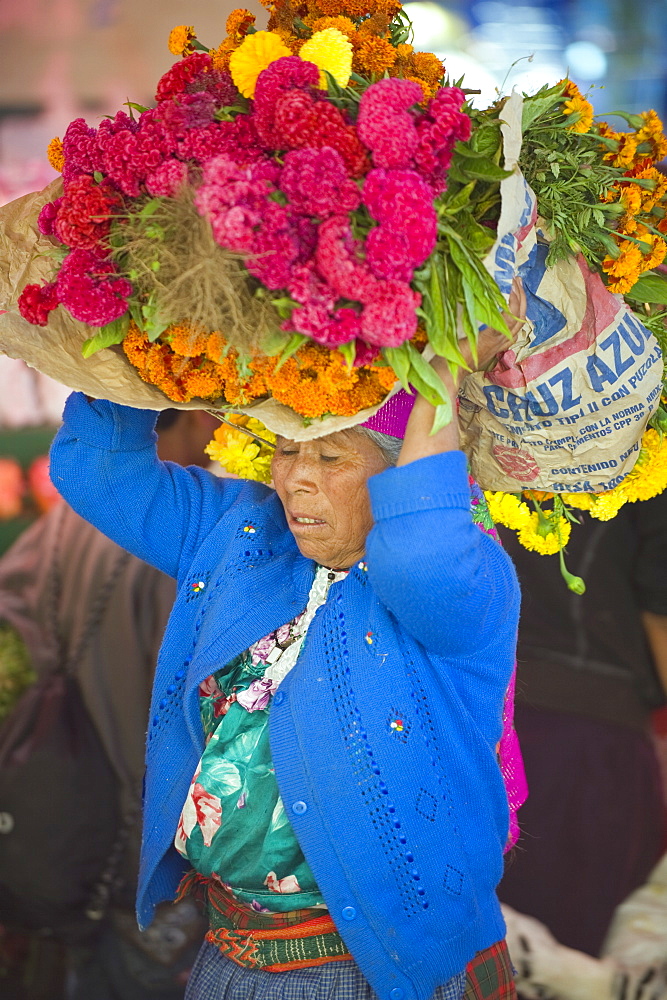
x=386, y=125
x=37, y=301
x=257, y=696
x=390, y=313
x=47, y=217
x=307, y=286
x=288, y=74
x=186, y=111
x=130, y=155
x=439, y=129
x=366, y=353
x=282, y=885
x=91, y=289
x=208, y=811
x=319, y=325
x=338, y=259
x=80, y=149
x=168, y=179
x=237, y=140
x=403, y=205
x=316, y=183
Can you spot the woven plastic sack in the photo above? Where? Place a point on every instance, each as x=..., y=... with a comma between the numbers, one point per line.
x=563, y=410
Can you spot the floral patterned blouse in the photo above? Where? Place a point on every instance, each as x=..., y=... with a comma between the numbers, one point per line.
x=234, y=823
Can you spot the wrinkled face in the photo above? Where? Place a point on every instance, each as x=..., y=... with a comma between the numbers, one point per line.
x=322, y=485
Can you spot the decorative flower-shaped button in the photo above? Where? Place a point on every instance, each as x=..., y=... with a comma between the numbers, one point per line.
x=397, y=725
x=249, y=529
x=369, y=638
x=198, y=586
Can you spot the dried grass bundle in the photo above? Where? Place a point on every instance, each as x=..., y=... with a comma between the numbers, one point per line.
x=169, y=252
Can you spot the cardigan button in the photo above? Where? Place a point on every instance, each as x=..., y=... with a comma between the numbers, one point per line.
x=299, y=808
x=397, y=994
x=348, y=913
x=279, y=697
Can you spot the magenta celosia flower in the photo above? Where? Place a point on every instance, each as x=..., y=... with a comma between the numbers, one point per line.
x=91, y=289
x=130, y=155
x=287, y=74
x=84, y=214
x=330, y=330
x=316, y=183
x=438, y=130
x=185, y=112
x=366, y=354
x=80, y=150
x=389, y=316
x=168, y=179
x=233, y=199
x=47, y=217
x=237, y=140
x=338, y=259
x=402, y=203
x=276, y=247
x=306, y=286
x=385, y=123
x=37, y=301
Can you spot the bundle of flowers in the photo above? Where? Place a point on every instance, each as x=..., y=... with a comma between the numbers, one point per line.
x=308, y=207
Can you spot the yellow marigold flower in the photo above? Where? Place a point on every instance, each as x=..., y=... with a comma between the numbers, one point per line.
x=55, y=154
x=545, y=534
x=330, y=50
x=649, y=474
x=180, y=39
x=404, y=50
x=373, y=55
x=507, y=509
x=605, y=506
x=652, y=132
x=582, y=501
x=238, y=22
x=582, y=110
x=240, y=453
x=345, y=25
x=253, y=55
x=627, y=150
x=657, y=254
x=622, y=272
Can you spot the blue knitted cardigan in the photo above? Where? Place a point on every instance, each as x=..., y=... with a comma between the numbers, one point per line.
x=404, y=829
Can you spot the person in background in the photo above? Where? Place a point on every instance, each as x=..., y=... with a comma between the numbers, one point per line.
x=590, y=670
x=115, y=674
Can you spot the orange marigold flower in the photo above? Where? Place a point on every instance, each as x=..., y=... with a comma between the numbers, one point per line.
x=347, y=8
x=404, y=50
x=623, y=272
x=180, y=39
x=135, y=345
x=186, y=340
x=373, y=55
x=343, y=24
x=627, y=150
x=238, y=23
x=220, y=56
x=570, y=88
x=388, y=7
x=427, y=66
x=204, y=383
x=427, y=90
x=216, y=346
x=55, y=154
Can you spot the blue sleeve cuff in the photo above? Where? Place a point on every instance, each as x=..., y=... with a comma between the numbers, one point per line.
x=433, y=483
x=102, y=424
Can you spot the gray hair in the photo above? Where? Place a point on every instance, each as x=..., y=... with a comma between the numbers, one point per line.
x=388, y=445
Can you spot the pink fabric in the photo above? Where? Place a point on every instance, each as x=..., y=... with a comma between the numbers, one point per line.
x=511, y=765
x=392, y=417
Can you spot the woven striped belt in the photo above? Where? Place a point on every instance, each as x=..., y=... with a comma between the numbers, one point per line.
x=275, y=942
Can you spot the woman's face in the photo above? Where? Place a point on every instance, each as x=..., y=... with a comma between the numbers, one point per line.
x=322, y=485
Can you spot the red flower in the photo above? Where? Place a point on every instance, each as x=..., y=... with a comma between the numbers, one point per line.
x=36, y=302
x=84, y=214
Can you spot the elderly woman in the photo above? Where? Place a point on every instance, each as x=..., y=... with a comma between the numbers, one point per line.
x=327, y=705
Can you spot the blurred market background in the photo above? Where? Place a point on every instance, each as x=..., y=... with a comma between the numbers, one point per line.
x=63, y=59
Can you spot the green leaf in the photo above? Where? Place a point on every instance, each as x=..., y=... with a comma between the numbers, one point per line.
x=149, y=208
x=534, y=107
x=284, y=306
x=432, y=386
x=483, y=170
x=651, y=287
x=443, y=416
x=349, y=352
x=399, y=359
x=136, y=107
x=459, y=200
x=112, y=333
x=98, y=177
x=292, y=346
